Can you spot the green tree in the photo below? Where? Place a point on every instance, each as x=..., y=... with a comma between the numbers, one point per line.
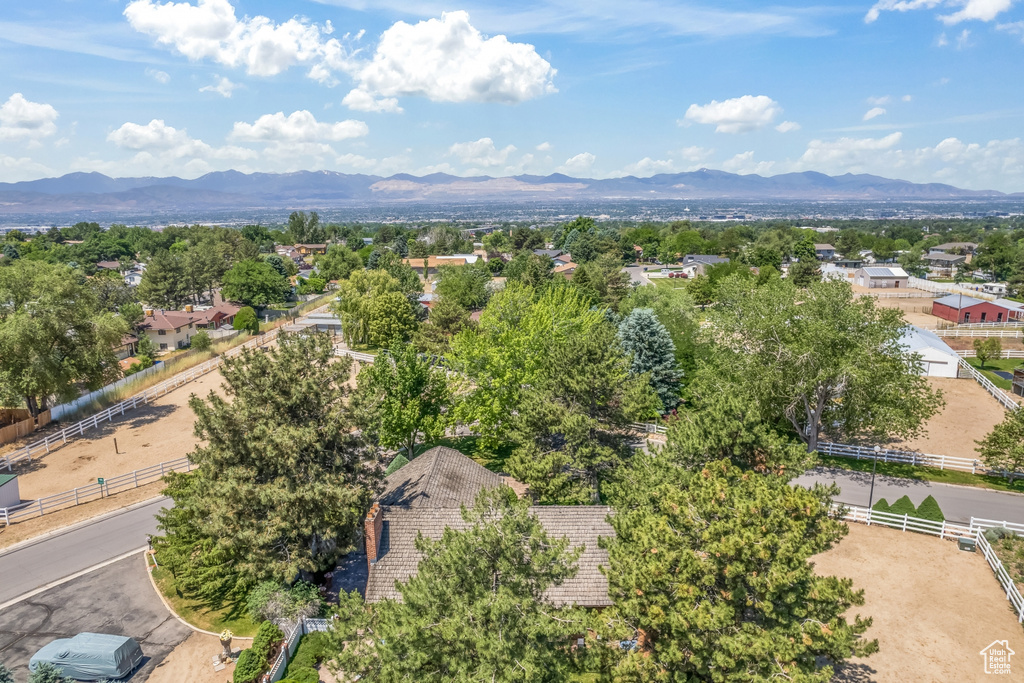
x=530, y=269
x=145, y=347
x=55, y=338
x=132, y=313
x=474, y=611
x=675, y=310
x=804, y=273
x=446, y=320
x=526, y=239
x=848, y=243
x=201, y=341
x=246, y=320
x=913, y=263
x=497, y=243
x=355, y=301
x=651, y=352
x=465, y=285
x=1003, y=449
x=819, y=357
x=883, y=249
x=48, y=673
x=710, y=573
x=255, y=283
x=987, y=349
x=391, y=319
x=163, y=283
x=5, y=675
x=338, y=263
x=401, y=396
x=585, y=248
x=314, y=285
x=277, y=263
x=283, y=479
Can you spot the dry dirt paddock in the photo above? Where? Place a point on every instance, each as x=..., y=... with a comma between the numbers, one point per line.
x=148, y=435
x=969, y=415
x=934, y=607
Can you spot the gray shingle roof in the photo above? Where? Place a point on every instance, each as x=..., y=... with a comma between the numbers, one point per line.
x=706, y=259
x=957, y=301
x=426, y=496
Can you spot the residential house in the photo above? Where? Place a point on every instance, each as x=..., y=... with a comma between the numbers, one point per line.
x=126, y=349
x=697, y=264
x=133, y=277
x=878, y=277
x=550, y=253
x=169, y=330
x=943, y=264
x=292, y=253
x=824, y=252
x=108, y=265
x=566, y=269
x=310, y=249
x=954, y=248
x=936, y=356
x=426, y=268
x=961, y=309
x=426, y=496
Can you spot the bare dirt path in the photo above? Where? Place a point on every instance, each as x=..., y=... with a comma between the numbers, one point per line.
x=192, y=662
x=934, y=607
x=149, y=435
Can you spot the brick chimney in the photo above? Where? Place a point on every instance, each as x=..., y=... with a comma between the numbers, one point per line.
x=372, y=529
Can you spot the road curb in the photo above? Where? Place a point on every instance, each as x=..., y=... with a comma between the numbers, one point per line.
x=167, y=605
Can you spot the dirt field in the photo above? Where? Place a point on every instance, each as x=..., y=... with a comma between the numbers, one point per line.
x=191, y=662
x=149, y=435
x=969, y=415
x=917, y=311
x=934, y=607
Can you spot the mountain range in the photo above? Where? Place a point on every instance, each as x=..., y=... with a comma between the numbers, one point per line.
x=224, y=190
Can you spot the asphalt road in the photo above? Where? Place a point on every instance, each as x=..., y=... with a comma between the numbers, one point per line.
x=636, y=275
x=958, y=503
x=39, y=563
x=117, y=599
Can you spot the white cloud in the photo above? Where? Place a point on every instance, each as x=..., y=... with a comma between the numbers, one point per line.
x=22, y=119
x=846, y=152
x=970, y=10
x=223, y=87
x=907, y=98
x=1013, y=28
x=14, y=169
x=160, y=148
x=648, y=167
x=544, y=147
x=737, y=115
x=963, y=40
x=581, y=163
x=210, y=30
x=787, y=126
x=161, y=77
x=154, y=135
x=360, y=100
x=744, y=164
x=448, y=60
x=879, y=101
x=481, y=152
x=874, y=113
x=696, y=154
x=297, y=127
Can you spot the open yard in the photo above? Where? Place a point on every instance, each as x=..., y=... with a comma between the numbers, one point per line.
x=917, y=310
x=934, y=607
x=969, y=415
x=149, y=435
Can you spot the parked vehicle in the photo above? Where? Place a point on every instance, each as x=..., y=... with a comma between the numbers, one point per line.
x=91, y=656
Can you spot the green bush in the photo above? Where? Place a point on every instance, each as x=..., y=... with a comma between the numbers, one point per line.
x=903, y=506
x=48, y=673
x=5, y=675
x=248, y=667
x=881, y=506
x=304, y=675
x=399, y=462
x=993, y=535
x=929, y=509
x=246, y=319
x=254, y=661
x=201, y=341
x=311, y=651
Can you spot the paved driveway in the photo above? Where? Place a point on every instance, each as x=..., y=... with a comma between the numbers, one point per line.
x=117, y=599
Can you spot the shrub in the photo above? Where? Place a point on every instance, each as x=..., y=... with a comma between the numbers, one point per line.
x=201, y=341
x=248, y=667
x=993, y=535
x=271, y=602
x=48, y=673
x=881, y=506
x=140, y=364
x=311, y=651
x=929, y=509
x=304, y=675
x=5, y=675
x=253, y=662
x=903, y=506
x=246, y=319
x=399, y=462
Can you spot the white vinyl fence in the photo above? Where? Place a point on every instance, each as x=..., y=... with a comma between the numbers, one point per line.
x=958, y=332
x=71, y=407
x=84, y=494
x=292, y=637
x=649, y=428
x=943, y=462
x=78, y=429
x=997, y=393
x=950, y=288
x=971, y=353
x=944, y=530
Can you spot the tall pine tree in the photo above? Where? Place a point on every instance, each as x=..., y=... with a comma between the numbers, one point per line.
x=649, y=346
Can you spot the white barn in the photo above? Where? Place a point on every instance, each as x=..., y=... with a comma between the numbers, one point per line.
x=882, y=277
x=937, y=359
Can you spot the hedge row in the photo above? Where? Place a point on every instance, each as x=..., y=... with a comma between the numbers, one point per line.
x=928, y=509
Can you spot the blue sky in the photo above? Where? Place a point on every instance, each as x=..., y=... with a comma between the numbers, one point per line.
x=927, y=90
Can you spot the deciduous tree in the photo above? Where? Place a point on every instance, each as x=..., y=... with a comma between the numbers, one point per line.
x=255, y=283
x=1003, y=449
x=987, y=349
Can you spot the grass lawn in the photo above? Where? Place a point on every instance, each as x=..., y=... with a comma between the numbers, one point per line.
x=208, y=617
x=1007, y=364
x=669, y=282
x=472, y=447
x=983, y=481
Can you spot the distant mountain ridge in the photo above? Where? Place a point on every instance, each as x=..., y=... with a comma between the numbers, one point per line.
x=313, y=189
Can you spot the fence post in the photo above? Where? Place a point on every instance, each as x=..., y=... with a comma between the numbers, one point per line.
x=76, y=496
x=905, y=517
x=136, y=475
x=40, y=501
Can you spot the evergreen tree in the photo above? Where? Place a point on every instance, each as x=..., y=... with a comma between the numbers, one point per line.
x=570, y=240
x=474, y=610
x=48, y=673
x=283, y=479
x=277, y=263
x=709, y=571
x=5, y=675
x=163, y=283
x=649, y=347
x=804, y=273
x=401, y=396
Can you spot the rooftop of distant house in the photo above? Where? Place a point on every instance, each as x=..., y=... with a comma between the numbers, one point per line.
x=706, y=259
x=971, y=246
x=160, y=319
x=108, y=265
x=824, y=247
x=944, y=257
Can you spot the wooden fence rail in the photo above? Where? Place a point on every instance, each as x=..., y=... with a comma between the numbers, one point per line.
x=84, y=494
